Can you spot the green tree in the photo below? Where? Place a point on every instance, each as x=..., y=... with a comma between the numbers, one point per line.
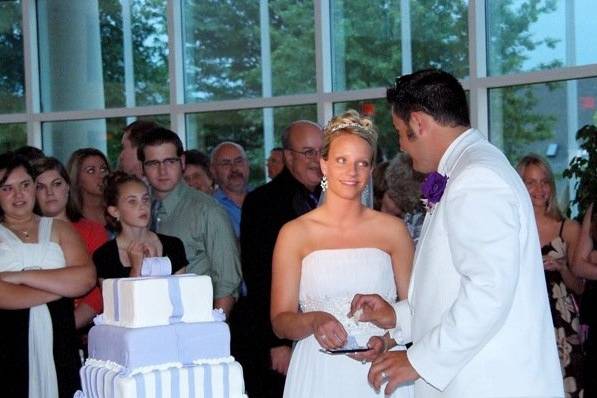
x=12, y=75
x=368, y=49
x=223, y=61
x=222, y=57
x=510, y=42
x=149, y=33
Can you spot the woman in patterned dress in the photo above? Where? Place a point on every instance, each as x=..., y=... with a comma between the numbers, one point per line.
x=558, y=236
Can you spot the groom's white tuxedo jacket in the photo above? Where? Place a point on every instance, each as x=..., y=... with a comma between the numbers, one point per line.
x=477, y=309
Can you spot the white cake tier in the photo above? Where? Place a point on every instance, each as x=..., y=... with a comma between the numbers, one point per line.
x=155, y=301
x=217, y=380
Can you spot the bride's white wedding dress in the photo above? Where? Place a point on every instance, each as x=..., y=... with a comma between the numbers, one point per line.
x=329, y=281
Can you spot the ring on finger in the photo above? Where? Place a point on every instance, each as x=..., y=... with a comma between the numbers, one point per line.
x=384, y=376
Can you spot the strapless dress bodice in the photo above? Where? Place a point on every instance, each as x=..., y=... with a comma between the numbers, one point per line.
x=331, y=277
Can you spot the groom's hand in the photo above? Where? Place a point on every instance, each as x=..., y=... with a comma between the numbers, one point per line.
x=394, y=368
x=374, y=309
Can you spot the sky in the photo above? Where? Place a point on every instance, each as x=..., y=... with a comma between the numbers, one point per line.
x=553, y=25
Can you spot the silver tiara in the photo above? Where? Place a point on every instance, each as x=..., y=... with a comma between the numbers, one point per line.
x=343, y=126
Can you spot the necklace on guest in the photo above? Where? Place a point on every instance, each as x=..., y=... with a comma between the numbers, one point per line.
x=22, y=232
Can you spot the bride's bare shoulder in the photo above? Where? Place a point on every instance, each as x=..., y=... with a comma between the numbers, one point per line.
x=384, y=218
x=299, y=224
x=386, y=224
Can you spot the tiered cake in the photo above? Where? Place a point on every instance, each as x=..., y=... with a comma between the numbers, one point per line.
x=158, y=337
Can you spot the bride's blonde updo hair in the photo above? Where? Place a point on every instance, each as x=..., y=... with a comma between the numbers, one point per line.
x=350, y=122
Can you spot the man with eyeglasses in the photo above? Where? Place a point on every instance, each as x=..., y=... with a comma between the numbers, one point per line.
x=230, y=168
x=190, y=215
x=293, y=192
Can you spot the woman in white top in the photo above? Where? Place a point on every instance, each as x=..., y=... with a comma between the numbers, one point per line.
x=42, y=263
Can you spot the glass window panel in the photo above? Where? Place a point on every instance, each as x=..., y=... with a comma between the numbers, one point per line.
x=102, y=54
x=60, y=139
x=367, y=40
x=223, y=43
x=247, y=128
x=292, y=36
x=533, y=35
x=12, y=74
x=553, y=112
x=12, y=136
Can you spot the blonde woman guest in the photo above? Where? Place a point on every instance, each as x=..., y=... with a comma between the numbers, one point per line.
x=325, y=257
x=558, y=236
x=43, y=264
x=87, y=168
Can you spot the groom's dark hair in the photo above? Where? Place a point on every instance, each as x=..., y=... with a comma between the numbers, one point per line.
x=433, y=91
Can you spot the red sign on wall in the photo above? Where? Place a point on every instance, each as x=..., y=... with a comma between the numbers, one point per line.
x=587, y=102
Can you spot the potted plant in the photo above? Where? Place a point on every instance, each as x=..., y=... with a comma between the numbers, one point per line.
x=583, y=168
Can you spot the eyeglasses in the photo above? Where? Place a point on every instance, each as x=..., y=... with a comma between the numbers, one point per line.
x=154, y=164
x=309, y=153
x=239, y=161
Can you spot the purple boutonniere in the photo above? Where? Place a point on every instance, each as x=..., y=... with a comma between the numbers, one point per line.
x=432, y=189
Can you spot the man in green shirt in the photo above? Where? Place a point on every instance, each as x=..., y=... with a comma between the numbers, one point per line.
x=190, y=215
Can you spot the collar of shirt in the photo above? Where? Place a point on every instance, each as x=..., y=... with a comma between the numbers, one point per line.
x=456, y=149
x=221, y=196
x=172, y=199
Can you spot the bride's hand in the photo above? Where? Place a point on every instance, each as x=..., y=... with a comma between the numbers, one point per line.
x=328, y=332
x=377, y=347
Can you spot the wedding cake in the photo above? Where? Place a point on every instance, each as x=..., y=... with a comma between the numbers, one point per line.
x=159, y=337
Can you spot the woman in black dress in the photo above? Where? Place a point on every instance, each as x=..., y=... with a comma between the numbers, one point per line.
x=128, y=212
x=559, y=237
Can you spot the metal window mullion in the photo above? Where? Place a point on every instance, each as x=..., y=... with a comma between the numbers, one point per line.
x=31, y=68
x=13, y=118
x=176, y=67
x=405, y=37
x=479, y=106
x=128, y=56
x=543, y=76
x=266, y=77
x=323, y=60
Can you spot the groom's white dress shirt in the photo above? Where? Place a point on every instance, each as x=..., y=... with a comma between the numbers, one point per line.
x=477, y=310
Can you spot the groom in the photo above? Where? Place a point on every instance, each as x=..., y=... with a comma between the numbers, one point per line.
x=477, y=311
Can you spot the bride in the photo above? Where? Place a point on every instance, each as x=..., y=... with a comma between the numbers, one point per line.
x=322, y=259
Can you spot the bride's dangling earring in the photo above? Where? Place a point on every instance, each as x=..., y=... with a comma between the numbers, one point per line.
x=324, y=183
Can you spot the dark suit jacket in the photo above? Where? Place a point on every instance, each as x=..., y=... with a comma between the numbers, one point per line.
x=265, y=210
